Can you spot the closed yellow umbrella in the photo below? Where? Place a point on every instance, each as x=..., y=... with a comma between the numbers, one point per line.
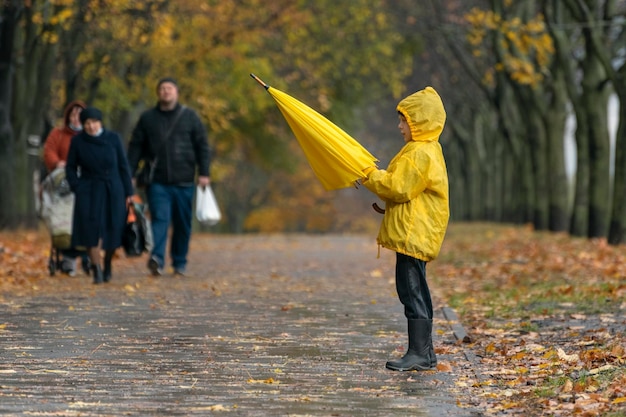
x=336, y=158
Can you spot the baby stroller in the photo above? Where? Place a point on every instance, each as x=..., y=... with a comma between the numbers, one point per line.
x=56, y=210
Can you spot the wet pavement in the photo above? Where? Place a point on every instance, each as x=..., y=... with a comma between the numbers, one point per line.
x=261, y=326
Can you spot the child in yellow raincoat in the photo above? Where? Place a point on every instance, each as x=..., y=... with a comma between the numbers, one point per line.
x=414, y=188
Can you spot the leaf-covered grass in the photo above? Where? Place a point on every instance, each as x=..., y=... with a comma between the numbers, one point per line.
x=546, y=313
x=509, y=270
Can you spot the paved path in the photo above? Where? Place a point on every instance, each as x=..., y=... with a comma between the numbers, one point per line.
x=263, y=326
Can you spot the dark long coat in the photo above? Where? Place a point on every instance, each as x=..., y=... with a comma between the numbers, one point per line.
x=98, y=173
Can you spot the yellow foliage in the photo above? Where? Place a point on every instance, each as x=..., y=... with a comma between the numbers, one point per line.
x=50, y=37
x=488, y=78
x=476, y=37
x=37, y=18
x=52, y=20
x=528, y=46
x=61, y=17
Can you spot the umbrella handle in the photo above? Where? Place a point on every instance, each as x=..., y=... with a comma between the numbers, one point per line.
x=377, y=209
x=260, y=81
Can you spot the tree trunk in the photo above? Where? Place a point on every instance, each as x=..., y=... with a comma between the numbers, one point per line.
x=72, y=43
x=31, y=97
x=511, y=126
x=456, y=162
x=539, y=152
x=491, y=199
x=554, y=125
x=595, y=97
x=528, y=186
x=617, y=230
x=596, y=72
x=580, y=210
x=466, y=164
x=9, y=17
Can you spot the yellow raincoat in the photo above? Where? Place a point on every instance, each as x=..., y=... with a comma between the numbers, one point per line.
x=414, y=186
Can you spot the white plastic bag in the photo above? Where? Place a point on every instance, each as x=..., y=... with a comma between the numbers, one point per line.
x=207, y=210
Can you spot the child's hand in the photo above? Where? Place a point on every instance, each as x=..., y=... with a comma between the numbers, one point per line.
x=367, y=171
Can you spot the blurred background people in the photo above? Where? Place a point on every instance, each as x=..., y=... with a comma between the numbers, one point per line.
x=98, y=173
x=55, y=149
x=173, y=139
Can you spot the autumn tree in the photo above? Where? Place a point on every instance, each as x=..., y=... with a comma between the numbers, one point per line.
x=532, y=57
x=30, y=45
x=600, y=25
x=527, y=95
x=590, y=39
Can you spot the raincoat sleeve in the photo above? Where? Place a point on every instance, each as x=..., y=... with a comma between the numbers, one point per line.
x=400, y=183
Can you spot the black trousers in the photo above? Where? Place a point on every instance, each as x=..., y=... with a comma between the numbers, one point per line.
x=412, y=287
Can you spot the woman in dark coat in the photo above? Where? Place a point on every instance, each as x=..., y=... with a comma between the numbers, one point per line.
x=98, y=173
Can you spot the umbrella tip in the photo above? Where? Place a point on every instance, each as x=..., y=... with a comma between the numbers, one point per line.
x=260, y=81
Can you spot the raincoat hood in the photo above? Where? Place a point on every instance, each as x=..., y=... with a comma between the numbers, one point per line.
x=68, y=110
x=424, y=113
x=57, y=144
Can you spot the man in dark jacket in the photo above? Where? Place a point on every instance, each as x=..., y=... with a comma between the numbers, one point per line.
x=173, y=140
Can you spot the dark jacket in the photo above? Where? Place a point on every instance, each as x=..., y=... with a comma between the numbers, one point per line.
x=176, y=160
x=100, y=189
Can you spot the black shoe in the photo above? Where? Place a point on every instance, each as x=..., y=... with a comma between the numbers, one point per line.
x=180, y=272
x=106, y=274
x=154, y=267
x=108, y=258
x=98, y=277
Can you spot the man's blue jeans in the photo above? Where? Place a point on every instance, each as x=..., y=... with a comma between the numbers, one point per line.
x=171, y=203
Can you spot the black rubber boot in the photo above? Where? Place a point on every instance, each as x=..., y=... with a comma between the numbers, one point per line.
x=420, y=356
x=108, y=257
x=98, y=277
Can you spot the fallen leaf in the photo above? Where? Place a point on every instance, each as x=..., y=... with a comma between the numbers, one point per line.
x=601, y=369
x=262, y=381
x=568, y=386
x=444, y=367
x=567, y=358
x=376, y=273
